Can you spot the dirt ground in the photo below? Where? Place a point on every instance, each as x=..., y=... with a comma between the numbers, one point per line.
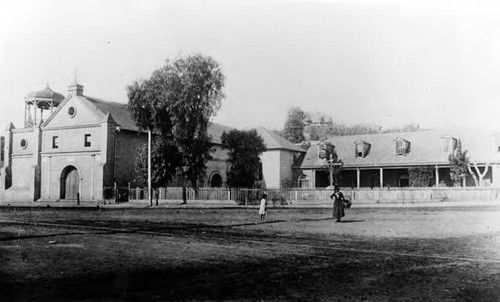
x=376, y=254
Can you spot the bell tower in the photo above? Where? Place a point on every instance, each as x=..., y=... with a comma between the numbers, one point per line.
x=38, y=103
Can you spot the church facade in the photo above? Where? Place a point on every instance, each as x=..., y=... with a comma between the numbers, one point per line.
x=76, y=147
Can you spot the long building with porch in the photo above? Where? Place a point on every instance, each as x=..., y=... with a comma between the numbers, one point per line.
x=384, y=160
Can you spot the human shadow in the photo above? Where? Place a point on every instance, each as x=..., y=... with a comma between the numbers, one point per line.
x=98, y=230
x=317, y=219
x=213, y=226
x=352, y=220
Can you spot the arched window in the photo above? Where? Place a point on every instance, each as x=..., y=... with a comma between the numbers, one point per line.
x=304, y=181
x=216, y=180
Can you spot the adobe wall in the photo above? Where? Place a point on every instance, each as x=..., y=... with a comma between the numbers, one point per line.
x=286, y=163
x=216, y=166
x=126, y=144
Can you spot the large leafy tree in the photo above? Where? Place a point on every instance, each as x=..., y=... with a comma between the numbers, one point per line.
x=244, y=150
x=176, y=103
x=164, y=157
x=294, y=125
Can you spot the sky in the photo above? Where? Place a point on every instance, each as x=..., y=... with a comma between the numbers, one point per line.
x=385, y=62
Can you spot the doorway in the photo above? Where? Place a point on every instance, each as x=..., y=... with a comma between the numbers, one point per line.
x=70, y=183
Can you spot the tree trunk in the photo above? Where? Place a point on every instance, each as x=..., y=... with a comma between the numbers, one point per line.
x=481, y=175
x=473, y=176
x=184, y=193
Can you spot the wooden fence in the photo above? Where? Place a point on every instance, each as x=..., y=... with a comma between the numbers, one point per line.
x=295, y=195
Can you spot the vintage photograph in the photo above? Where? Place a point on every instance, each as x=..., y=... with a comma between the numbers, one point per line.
x=280, y=150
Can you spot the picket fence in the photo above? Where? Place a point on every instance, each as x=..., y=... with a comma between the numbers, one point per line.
x=300, y=195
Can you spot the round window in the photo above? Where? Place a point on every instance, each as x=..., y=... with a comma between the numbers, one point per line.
x=24, y=143
x=71, y=111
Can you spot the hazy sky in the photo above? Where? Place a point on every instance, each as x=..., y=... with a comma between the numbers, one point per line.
x=382, y=62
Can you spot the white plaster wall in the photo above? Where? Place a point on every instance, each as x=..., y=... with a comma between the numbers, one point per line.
x=86, y=113
x=89, y=169
x=71, y=140
x=71, y=150
x=271, y=168
x=22, y=167
x=21, y=173
x=19, y=135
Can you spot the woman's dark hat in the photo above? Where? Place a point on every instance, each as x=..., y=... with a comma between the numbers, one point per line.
x=336, y=188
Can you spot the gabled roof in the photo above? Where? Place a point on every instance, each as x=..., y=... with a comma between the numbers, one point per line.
x=427, y=149
x=275, y=142
x=118, y=112
x=114, y=111
x=216, y=130
x=121, y=116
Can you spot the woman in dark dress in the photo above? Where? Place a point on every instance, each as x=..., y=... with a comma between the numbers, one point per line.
x=338, y=204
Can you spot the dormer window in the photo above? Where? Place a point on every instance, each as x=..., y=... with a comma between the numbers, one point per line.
x=321, y=150
x=402, y=146
x=449, y=144
x=326, y=150
x=361, y=148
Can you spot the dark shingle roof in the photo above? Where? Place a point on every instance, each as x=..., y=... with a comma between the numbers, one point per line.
x=118, y=112
x=123, y=118
x=426, y=148
x=216, y=130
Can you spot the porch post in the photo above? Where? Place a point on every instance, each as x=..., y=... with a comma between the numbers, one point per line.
x=437, y=176
x=358, y=177
x=313, y=178
x=381, y=177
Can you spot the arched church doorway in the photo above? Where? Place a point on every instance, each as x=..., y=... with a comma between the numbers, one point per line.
x=216, y=181
x=70, y=183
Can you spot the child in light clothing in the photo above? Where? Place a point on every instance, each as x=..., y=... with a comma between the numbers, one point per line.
x=263, y=207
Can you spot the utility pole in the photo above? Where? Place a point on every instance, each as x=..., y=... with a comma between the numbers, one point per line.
x=149, y=169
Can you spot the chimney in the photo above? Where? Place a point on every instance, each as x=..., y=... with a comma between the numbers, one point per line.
x=75, y=89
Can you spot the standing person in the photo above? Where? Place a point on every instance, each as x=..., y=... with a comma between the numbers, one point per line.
x=338, y=204
x=263, y=207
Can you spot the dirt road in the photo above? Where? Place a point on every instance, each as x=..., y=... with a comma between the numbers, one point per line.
x=226, y=255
